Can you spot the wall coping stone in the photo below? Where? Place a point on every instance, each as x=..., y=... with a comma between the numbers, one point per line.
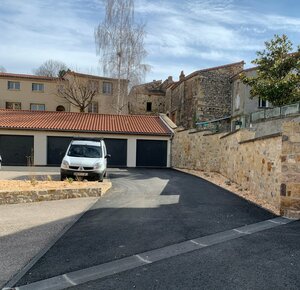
x=261, y=138
x=199, y=131
x=230, y=133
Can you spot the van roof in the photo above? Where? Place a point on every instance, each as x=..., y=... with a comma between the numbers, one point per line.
x=86, y=142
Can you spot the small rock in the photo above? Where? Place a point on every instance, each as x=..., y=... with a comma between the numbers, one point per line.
x=227, y=182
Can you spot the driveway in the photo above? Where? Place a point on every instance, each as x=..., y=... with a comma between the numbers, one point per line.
x=152, y=209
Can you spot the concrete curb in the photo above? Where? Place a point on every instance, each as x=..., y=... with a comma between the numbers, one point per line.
x=35, y=259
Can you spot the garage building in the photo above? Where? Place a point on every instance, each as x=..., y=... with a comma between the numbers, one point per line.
x=41, y=138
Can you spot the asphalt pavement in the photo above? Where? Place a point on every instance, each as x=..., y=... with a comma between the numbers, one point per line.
x=148, y=209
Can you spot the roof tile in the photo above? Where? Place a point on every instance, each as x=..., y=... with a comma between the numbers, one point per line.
x=83, y=122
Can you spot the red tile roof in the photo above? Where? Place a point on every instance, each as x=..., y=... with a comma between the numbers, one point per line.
x=24, y=76
x=83, y=122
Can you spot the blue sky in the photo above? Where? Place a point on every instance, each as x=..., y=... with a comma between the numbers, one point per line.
x=181, y=35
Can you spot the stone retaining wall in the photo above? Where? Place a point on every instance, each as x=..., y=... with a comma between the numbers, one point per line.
x=290, y=168
x=268, y=166
x=8, y=197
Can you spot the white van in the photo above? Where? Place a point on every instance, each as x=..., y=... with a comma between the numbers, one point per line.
x=85, y=158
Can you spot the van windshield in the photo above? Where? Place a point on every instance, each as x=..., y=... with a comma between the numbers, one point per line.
x=87, y=151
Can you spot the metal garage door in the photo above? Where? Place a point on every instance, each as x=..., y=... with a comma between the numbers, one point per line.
x=117, y=148
x=56, y=149
x=151, y=153
x=16, y=150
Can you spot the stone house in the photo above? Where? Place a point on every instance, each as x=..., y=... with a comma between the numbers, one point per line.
x=39, y=93
x=203, y=95
x=148, y=98
x=242, y=104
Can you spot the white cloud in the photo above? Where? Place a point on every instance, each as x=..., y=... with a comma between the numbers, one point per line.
x=186, y=35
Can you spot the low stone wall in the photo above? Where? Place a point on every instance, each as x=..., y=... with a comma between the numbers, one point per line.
x=8, y=197
x=268, y=166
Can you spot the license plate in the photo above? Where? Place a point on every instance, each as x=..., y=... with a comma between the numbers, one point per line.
x=81, y=174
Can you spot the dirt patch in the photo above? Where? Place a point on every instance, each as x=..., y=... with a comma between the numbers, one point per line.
x=223, y=182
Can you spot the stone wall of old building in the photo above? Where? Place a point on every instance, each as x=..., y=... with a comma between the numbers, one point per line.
x=203, y=95
x=267, y=166
x=153, y=94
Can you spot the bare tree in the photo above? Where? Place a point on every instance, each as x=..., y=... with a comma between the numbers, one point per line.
x=51, y=68
x=78, y=91
x=120, y=45
x=2, y=69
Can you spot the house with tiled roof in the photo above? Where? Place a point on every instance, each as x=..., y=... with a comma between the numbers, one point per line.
x=200, y=96
x=40, y=93
x=203, y=95
x=149, y=98
x=41, y=138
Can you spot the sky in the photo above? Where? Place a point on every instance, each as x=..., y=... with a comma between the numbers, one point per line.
x=180, y=35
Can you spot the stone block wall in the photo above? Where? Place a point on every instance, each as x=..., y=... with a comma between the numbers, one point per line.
x=290, y=168
x=268, y=166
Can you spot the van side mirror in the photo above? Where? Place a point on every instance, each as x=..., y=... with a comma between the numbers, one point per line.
x=107, y=156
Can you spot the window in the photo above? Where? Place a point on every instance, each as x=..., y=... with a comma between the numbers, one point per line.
x=37, y=107
x=13, y=106
x=93, y=107
x=13, y=85
x=107, y=88
x=94, y=85
x=263, y=103
x=37, y=87
x=60, y=108
x=149, y=106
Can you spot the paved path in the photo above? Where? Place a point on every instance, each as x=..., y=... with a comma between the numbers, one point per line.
x=145, y=210
x=27, y=172
x=25, y=229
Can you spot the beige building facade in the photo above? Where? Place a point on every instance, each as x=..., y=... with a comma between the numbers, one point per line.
x=39, y=93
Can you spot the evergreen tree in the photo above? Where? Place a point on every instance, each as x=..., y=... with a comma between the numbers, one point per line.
x=278, y=73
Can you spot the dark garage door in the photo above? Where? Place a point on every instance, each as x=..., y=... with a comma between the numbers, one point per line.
x=56, y=149
x=16, y=150
x=151, y=153
x=117, y=148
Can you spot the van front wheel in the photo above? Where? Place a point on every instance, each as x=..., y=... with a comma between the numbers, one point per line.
x=100, y=177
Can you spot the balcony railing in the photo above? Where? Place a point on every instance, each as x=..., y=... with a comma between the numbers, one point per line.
x=277, y=112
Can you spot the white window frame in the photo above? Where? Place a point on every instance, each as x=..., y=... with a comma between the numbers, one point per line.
x=37, y=87
x=260, y=103
x=93, y=107
x=38, y=107
x=107, y=88
x=15, y=85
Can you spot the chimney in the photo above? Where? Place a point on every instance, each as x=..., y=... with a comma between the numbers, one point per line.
x=170, y=79
x=182, y=76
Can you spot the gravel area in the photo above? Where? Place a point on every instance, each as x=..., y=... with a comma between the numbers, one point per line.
x=223, y=182
x=19, y=185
